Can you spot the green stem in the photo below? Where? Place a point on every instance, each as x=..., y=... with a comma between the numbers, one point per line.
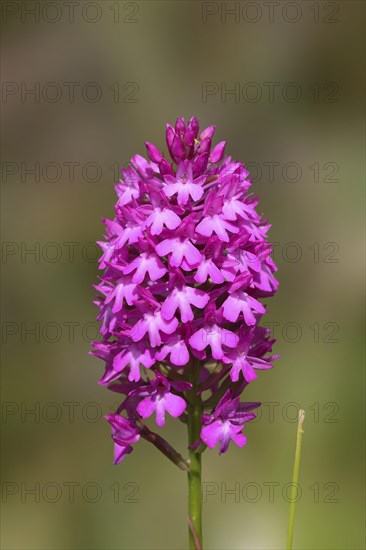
x=194, y=472
x=295, y=479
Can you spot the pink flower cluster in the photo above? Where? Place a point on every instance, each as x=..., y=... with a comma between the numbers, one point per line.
x=185, y=263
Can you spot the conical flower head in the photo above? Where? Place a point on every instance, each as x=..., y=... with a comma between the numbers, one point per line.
x=185, y=264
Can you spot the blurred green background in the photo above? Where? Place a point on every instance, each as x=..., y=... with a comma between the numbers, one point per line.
x=165, y=56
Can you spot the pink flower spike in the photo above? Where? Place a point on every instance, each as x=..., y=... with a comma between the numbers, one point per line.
x=185, y=264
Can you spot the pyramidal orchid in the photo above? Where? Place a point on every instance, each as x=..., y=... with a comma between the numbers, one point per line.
x=185, y=266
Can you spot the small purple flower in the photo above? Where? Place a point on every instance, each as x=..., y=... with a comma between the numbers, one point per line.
x=213, y=335
x=184, y=185
x=214, y=221
x=161, y=217
x=124, y=433
x=241, y=302
x=127, y=189
x=176, y=347
x=227, y=423
x=145, y=264
x=153, y=323
x=241, y=360
x=183, y=253
x=134, y=355
x=124, y=289
x=182, y=298
x=161, y=399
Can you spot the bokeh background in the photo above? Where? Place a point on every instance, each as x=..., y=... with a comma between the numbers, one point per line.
x=151, y=61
